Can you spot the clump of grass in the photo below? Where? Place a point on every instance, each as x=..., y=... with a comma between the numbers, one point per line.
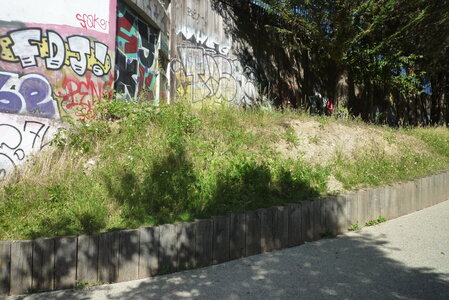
x=377, y=221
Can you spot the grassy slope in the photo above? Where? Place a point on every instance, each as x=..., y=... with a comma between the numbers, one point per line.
x=140, y=165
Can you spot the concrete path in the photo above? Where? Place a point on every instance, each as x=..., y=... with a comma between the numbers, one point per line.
x=406, y=258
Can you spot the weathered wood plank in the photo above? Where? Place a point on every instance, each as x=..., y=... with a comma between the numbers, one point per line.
x=237, y=235
x=108, y=257
x=87, y=258
x=168, y=254
x=253, y=233
x=21, y=267
x=295, y=225
x=280, y=227
x=149, y=251
x=203, y=242
x=65, y=262
x=186, y=246
x=43, y=264
x=267, y=231
x=5, y=267
x=128, y=257
x=221, y=239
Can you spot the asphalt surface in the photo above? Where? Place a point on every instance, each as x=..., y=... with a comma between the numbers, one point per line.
x=405, y=258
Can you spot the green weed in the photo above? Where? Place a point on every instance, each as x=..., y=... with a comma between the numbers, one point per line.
x=355, y=227
x=377, y=221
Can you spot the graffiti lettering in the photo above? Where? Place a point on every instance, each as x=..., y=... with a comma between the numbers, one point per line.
x=28, y=94
x=203, y=74
x=136, y=55
x=17, y=140
x=194, y=14
x=80, y=96
x=79, y=52
x=92, y=21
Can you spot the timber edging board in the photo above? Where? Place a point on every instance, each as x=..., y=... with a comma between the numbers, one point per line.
x=62, y=262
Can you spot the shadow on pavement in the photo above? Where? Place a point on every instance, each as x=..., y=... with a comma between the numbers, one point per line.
x=349, y=267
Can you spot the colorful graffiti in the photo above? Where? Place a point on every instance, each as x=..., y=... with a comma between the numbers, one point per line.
x=79, y=95
x=29, y=94
x=136, y=55
x=78, y=52
x=203, y=74
x=19, y=138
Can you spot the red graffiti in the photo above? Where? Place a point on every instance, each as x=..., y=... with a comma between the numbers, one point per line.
x=80, y=96
x=145, y=82
x=125, y=25
x=92, y=21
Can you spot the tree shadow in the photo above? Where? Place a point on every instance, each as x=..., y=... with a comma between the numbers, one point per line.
x=349, y=267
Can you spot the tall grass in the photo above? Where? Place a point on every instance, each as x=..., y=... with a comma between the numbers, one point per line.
x=141, y=165
x=137, y=164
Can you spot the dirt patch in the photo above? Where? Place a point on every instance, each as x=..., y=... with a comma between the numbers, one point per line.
x=320, y=143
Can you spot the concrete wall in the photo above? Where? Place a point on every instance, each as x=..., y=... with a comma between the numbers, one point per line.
x=56, y=59
x=203, y=61
x=58, y=263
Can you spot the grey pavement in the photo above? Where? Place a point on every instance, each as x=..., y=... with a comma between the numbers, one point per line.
x=405, y=258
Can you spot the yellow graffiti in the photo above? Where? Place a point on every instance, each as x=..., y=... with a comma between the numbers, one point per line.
x=7, y=54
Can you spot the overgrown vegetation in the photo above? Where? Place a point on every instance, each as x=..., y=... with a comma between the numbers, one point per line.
x=137, y=164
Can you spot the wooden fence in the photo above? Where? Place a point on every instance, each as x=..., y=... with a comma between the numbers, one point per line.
x=62, y=262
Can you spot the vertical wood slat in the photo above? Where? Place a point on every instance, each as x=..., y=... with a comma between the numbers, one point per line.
x=108, y=257
x=221, y=239
x=237, y=235
x=43, y=264
x=295, y=225
x=128, y=256
x=280, y=227
x=186, y=245
x=5, y=267
x=87, y=258
x=362, y=196
x=21, y=267
x=168, y=254
x=267, y=233
x=331, y=214
x=203, y=231
x=253, y=233
x=65, y=262
x=149, y=252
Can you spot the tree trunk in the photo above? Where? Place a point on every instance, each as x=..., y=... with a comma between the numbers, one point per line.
x=342, y=89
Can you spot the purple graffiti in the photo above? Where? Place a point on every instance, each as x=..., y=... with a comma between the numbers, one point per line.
x=29, y=94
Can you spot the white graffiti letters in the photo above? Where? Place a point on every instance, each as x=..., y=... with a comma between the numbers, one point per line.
x=203, y=74
x=78, y=52
x=23, y=47
x=19, y=138
x=79, y=45
x=57, y=56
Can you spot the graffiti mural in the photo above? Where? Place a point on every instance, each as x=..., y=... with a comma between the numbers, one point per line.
x=60, y=64
x=206, y=66
x=20, y=137
x=203, y=74
x=29, y=94
x=78, y=52
x=79, y=96
x=136, y=55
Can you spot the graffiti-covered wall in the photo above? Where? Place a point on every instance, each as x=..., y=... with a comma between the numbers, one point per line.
x=142, y=49
x=203, y=61
x=56, y=60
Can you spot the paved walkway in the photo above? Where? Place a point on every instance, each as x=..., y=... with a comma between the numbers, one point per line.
x=406, y=258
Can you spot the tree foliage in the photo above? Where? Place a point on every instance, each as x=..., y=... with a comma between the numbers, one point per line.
x=369, y=55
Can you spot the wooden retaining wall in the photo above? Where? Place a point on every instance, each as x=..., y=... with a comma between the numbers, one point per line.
x=62, y=262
